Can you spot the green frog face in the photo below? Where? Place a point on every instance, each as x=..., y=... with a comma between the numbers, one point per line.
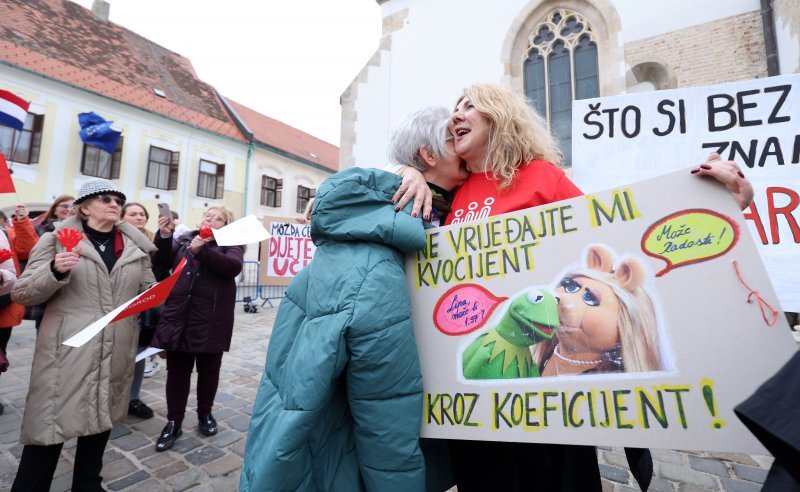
x=531, y=318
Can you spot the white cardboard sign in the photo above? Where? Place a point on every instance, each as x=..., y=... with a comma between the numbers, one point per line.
x=622, y=139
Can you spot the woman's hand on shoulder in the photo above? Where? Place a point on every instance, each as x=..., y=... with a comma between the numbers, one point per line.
x=729, y=174
x=413, y=186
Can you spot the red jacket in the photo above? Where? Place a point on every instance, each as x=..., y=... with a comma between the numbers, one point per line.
x=22, y=238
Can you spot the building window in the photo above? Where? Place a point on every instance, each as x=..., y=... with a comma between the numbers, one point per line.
x=561, y=66
x=162, y=169
x=99, y=163
x=210, y=179
x=271, y=191
x=303, y=196
x=25, y=144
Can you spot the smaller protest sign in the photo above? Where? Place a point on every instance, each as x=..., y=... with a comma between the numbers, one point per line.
x=288, y=250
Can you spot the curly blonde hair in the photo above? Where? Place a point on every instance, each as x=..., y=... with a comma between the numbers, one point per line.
x=517, y=134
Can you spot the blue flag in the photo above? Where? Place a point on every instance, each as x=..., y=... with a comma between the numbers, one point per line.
x=98, y=132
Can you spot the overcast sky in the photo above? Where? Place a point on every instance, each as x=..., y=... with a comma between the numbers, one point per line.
x=287, y=59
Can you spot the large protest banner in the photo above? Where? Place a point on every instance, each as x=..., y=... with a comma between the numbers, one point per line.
x=622, y=139
x=286, y=252
x=653, y=278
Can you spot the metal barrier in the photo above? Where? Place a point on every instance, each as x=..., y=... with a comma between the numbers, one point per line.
x=269, y=292
x=247, y=286
x=247, y=281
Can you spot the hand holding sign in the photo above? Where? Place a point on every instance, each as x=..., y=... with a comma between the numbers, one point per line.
x=690, y=236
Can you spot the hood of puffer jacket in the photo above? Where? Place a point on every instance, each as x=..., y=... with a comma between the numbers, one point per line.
x=355, y=205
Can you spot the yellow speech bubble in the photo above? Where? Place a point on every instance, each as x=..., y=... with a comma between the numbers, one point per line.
x=690, y=236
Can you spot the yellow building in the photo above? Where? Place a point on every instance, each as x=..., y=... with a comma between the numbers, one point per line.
x=181, y=140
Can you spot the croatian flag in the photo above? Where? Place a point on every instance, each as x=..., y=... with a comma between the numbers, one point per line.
x=98, y=132
x=13, y=110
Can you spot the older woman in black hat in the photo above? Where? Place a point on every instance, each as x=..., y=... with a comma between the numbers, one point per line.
x=80, y=391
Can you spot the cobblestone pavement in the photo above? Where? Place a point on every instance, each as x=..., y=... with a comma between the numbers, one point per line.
x=199, y=463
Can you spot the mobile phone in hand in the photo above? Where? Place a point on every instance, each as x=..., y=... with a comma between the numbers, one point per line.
x=163, y=210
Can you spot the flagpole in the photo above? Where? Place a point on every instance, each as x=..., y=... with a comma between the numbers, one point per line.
x=8, y=163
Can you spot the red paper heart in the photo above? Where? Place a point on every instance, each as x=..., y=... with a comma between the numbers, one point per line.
x=206, y=232
x=5, y=254
x=69, y=238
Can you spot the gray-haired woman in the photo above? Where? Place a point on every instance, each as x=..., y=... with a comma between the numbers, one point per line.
x=80, y=391
x=421, y=141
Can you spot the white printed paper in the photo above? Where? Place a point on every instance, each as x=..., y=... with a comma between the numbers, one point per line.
x=247, y=230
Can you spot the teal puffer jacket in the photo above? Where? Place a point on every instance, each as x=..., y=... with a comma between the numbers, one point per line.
x=339, y=405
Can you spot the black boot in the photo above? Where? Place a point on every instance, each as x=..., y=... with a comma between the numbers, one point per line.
x=169, y=433
x=207, y=424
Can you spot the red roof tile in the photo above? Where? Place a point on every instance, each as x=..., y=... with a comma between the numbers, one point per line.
x=61, y=40
x=272, y=132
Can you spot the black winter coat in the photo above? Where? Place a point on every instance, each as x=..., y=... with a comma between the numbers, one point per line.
x=198, y=314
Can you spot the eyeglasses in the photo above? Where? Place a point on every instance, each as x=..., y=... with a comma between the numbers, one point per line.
x=214, y=217
x=64, y=205
x=106, y=199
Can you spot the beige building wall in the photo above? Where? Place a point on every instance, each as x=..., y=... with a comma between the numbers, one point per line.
x=787, y=31
x=59, y=167
x=293, y=174
x=726, y=50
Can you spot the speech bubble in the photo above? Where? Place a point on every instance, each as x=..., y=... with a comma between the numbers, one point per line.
x=464, y=308
x=690, y=236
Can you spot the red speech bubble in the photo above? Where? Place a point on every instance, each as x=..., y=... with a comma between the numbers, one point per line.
x=464, y=308
x=690, y=236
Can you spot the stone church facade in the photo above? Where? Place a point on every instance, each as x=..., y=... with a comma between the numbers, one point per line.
x=429, y=51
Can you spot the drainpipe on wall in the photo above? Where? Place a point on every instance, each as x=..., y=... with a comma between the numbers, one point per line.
x=250, y=144
x=770, y=40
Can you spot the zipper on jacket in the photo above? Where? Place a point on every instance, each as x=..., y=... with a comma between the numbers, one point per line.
x=59, y=338
x=214, y=306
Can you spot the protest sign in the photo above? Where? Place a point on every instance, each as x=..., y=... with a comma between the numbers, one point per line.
x=288, y=250
x=616, y=318
x=621, y=139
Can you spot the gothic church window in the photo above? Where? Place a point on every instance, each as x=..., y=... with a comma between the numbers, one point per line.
x=561, y=66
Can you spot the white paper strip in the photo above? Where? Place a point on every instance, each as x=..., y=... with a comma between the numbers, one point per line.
x=147, y=353
x=87, y=333
x=247, y=230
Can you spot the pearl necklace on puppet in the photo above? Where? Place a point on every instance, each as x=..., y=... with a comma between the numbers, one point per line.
x=575, y=361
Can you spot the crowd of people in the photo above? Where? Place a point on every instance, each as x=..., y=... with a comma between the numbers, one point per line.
x=339, y=404
x=79, y=392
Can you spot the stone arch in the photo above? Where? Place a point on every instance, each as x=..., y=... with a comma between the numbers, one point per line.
x=605, y=22
x=660, y=75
